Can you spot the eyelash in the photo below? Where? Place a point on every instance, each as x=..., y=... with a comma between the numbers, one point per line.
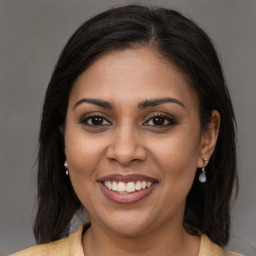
x=171, y=120
x=85, y=119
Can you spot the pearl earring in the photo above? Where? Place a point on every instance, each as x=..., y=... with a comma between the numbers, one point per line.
x=202, y=176
x=66, y=165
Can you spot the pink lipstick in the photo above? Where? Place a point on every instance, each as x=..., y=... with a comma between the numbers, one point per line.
x=126, y=189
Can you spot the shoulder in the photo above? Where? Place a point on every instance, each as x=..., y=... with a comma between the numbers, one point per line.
x=59, y=247
x=208, y=248
x=63, y=247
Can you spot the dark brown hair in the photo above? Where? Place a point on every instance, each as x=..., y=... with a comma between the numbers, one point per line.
x=186, y=46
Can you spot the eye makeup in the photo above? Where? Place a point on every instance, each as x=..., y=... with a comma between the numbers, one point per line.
x=97, y=120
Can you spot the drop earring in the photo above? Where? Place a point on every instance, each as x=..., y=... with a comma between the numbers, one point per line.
x=66, y=165
x=202, y=176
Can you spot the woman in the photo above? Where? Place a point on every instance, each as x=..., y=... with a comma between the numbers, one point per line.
x=137, y=128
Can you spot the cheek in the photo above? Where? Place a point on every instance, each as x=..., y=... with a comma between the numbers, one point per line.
x=83, y=154
x=177, y=157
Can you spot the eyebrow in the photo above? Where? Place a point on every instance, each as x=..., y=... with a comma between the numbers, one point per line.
x=156, y=102
x=101, y=103
x=142, y=105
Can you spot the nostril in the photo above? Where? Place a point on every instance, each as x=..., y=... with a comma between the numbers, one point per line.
x=126, y=154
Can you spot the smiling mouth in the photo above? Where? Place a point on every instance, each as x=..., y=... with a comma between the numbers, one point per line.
x=126, y=188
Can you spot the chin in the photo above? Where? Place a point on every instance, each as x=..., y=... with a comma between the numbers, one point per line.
x=129, y=224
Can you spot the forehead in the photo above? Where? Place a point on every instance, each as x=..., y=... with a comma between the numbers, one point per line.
x=132, y=75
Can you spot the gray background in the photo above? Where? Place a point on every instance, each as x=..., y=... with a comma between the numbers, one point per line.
x=32, y=33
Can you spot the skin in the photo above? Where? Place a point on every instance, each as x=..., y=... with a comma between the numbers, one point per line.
x=129, y=142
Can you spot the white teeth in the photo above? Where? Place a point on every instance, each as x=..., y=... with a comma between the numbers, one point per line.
x=130, y=187
x=108, y=184
x=138, y=185
x=121, y=186
x=114, y=186
x=149, y=184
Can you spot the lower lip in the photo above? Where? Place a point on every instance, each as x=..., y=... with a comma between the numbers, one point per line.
x=126, y=198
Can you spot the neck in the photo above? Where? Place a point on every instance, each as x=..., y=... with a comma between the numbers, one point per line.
x=166, y=240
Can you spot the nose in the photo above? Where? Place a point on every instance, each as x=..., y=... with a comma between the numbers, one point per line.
x=126, y=147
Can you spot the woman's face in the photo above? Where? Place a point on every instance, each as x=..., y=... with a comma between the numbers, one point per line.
x=133, y=126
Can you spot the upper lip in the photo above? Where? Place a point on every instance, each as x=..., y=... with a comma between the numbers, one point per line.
x=127, y=178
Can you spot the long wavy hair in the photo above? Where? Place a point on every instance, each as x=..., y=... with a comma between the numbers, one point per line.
x=181, y=42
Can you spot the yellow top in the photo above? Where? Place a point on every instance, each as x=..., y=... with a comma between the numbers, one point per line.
x=72, y=246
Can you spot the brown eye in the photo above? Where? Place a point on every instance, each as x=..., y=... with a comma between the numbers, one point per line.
x=158, y=120
x=95, y=121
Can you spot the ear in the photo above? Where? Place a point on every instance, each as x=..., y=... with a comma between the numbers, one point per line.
x=209, y=139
